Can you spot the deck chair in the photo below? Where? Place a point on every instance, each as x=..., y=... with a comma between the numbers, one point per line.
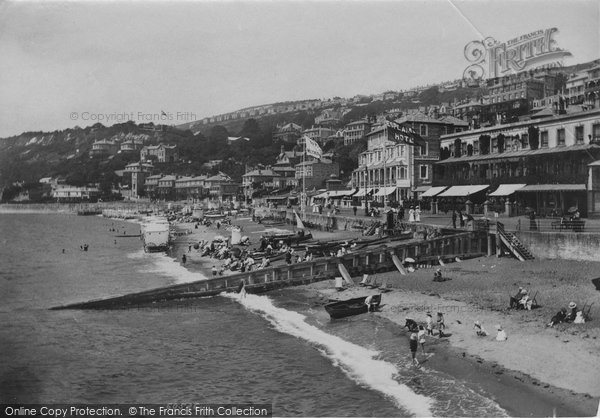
x=534, y=302
x=373, y=283
x=385, y=286
x=585, y=311
x=365, y=280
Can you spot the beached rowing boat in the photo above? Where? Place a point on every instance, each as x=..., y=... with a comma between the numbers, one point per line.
x=344, y=308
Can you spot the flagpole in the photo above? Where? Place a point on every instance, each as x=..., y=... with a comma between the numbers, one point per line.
x=304, y=181
x=365, y=178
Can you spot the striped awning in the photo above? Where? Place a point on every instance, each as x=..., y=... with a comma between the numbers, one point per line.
x=335, y=193
x=361, y=192
x=507, y=189
x=553, y=188
x=434, y=191
x=384, y=191
x=462, y=191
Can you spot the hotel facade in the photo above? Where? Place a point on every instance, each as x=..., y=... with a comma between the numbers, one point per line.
x=551, y=158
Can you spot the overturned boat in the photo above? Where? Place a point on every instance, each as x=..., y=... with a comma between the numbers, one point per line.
x=356, y=306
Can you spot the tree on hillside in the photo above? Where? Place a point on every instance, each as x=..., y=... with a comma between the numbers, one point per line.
x=347, y=156
x=430, y=96
x=251, y=129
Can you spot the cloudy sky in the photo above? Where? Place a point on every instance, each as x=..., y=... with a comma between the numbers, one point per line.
x=206, y=58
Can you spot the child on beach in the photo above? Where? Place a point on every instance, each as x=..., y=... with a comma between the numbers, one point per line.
x=421, y=335
x=414, y=345
x=501, y=336
x=479, y=330
x=429, y=324
x=440, y=324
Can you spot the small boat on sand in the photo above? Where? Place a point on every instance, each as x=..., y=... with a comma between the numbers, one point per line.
x=344, y=308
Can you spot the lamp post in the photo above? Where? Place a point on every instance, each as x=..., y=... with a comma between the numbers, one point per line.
x=366, y=206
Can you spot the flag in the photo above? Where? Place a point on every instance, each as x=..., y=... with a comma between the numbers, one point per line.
x=312, y=148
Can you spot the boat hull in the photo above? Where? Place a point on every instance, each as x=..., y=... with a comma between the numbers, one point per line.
x=350, y=307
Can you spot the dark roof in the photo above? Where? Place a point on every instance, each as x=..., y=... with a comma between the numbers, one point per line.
x=453, y=121
x=419, y=117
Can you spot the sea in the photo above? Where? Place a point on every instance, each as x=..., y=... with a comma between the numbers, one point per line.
x=280, y=348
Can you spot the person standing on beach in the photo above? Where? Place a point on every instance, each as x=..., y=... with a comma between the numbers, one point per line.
x=183, y=259
x=354, y=210
x=440, y=323
x=429, y=324
x=454, y=219
x=411, y=214
x=414, y=345
x=421, y=335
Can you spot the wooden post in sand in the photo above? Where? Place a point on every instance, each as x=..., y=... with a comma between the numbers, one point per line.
x=498, y=245
x=398, y=264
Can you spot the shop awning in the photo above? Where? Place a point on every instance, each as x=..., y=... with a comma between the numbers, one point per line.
x=434, y=191
x=462, y=191
x=384, y=191
x=507, y=189
x=422, y=189
x=277, y=197
x=553, y=188
x=361, y=192
x=335, y=193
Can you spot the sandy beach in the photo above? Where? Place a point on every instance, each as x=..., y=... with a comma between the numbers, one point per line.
x=536, y=368
x=559, y=364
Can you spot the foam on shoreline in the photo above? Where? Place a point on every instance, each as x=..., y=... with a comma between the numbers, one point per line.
x=358, y=363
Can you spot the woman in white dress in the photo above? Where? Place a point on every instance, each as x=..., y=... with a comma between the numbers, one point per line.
x=418, y=214
x=411, y=214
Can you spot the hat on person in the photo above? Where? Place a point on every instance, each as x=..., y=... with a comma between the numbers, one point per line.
x=477, y=323
x=428, y=314
x=498, y=327
x=572, y=305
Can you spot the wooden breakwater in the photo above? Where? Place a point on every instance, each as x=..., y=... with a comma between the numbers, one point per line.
x=370, y=260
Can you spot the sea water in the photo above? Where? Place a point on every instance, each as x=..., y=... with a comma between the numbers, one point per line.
x=259, y=349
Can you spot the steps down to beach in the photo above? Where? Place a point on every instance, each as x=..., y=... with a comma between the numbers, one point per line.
x=513, y=243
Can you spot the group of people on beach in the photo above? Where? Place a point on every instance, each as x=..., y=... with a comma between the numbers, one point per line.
x=480, y=331
x=419, y=331
x=572, y=315
x=522, y=300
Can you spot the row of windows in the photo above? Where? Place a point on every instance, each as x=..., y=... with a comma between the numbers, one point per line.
x=507, y=97
x=401, y=172
x=513, y=144
x=507, y=88
x=377, y=155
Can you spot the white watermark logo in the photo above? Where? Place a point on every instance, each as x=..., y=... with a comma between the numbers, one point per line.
x=489, y=58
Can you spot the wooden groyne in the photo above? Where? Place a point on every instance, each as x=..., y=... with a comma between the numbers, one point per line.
x=372, y=260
